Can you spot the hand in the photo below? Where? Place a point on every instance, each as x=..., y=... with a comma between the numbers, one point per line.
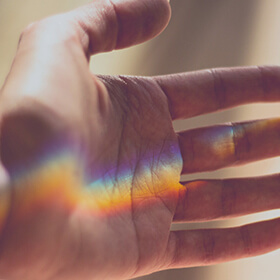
x=95, y=164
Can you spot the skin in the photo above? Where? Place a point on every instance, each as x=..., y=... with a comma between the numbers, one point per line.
x=105, y=212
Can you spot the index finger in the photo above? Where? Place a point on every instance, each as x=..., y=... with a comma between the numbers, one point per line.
x=195, y=93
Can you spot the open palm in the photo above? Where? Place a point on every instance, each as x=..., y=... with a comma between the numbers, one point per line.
x=95, y=163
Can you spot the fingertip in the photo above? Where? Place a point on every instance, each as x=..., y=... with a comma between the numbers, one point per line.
x=117, y=24
x=141, y=20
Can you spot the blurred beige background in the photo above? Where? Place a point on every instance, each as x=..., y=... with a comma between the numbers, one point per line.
x=201, y=34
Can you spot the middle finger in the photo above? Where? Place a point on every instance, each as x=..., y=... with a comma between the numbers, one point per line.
x=212, y=148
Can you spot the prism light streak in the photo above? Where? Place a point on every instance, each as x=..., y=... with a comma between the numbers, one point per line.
x=58, y=181
x=5, y=203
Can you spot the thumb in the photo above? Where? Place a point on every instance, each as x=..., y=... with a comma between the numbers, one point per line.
x=102, y=25
x=115, y=24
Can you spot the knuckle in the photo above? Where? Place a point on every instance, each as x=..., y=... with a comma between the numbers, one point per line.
x=228, y=198
x=57, y=28
x=218, y=87
x=246, y=240
x=209, y=244
x=241, y=141
x=26, y=31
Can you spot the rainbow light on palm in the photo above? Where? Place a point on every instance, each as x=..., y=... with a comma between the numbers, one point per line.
x=58, y=180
